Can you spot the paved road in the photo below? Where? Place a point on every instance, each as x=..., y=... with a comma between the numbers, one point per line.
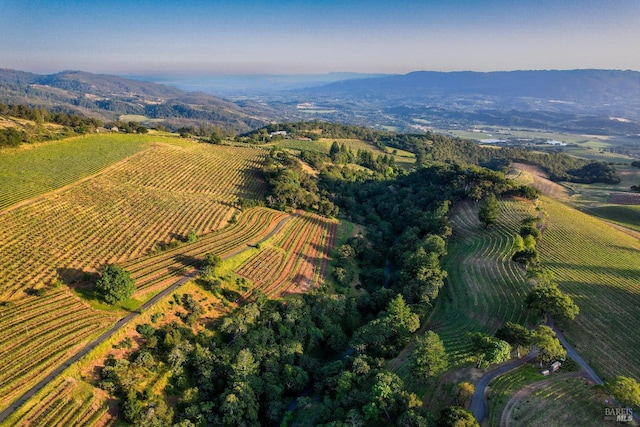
x=572, y=353
x=120, y=324
x=478, y=404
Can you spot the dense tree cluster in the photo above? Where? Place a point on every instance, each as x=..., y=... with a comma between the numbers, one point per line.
x=290, y=187
x=72, y=124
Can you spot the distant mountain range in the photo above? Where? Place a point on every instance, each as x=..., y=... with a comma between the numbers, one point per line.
x=589, y=101
x=108, y=97
x=598, y=101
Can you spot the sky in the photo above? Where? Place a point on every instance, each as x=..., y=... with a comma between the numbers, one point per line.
x=191, y=37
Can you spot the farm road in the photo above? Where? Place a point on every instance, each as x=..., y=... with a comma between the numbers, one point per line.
x=115, y=328
x=478, y=404
x=572, y=353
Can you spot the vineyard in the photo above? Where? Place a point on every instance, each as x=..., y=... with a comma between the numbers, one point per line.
x=68, y=403
x=154, y=198
x=599, y=266
x=561, y=401
x=124, y=213
x=158, y=271
x=38, y=333
x=296, y=258
x=484, y=288
x=56, y=164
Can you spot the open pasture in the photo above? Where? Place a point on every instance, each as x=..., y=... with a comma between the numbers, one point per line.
x=295, y=259
x=484, y=288
x=599, y=266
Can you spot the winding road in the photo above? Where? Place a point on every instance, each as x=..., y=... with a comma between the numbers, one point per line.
x=119, y=325
x=478, y=404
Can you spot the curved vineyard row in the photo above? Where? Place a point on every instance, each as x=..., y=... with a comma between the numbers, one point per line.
x=484, y=288
x=122, y=214
x=36, y=333
x=599, y=266
x=564, y=401
x=118, y=215
x=68, y=403
x=297, y=259
x=253, y=226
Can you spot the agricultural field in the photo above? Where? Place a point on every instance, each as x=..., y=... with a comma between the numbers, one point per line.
x=69, y=402
x=40, y=332
x=501, y=389
x=157, y=271
x=560, y=401
x=598, y=266
x=484, y=288
x=606, y=201
x=295, y=259
x=151, y=200
x=35, y=169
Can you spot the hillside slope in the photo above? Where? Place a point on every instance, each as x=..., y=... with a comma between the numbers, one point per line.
x=108, y=97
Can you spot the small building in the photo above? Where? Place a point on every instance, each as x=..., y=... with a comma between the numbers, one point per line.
x=555, y=366
x=545, y=372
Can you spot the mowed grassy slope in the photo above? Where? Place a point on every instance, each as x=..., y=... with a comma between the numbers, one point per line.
x=485, y=288
x=599, y=266
x=32, y=170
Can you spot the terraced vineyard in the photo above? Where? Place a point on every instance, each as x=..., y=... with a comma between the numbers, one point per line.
x=68, y=403
x=296, y=259
x=484, y=288
x=38, y=333
x=599, y=266
x=117, y=216
x=157, y=271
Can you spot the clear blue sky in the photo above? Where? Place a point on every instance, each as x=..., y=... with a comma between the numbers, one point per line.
x=289, y=37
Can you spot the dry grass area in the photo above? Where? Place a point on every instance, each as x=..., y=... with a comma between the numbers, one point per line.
x=537, y=178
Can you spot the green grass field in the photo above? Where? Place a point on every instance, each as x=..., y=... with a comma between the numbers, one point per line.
x=29, y=171
x=502, y=388
x=599, y=266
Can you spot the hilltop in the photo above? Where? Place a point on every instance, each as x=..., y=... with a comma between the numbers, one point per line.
x=108, y=97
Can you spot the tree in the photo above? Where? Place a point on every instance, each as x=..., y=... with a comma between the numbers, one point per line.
x=456, y=416
x=516, y=335
x=464, y=392
x=626, y=391
x=489, y=210
x=498, y=352
x=115, y=285
x=549, y=346
x=428, y=358
x=546, y=298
